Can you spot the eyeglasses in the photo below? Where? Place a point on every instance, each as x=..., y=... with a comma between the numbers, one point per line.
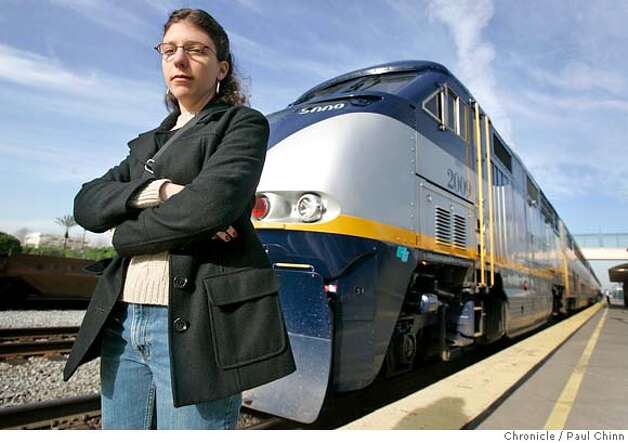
x=192, y=49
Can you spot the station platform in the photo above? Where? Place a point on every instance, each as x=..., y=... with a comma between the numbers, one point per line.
x=573, y=375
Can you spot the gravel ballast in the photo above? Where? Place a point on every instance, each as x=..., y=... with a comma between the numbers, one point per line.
x=33, y=319
x=38, y=379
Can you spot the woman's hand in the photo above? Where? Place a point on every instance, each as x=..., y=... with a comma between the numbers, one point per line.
x=169, y=189
x=226, y=236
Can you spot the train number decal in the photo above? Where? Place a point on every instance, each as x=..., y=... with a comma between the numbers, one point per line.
x=323, y=108
x=458, y=183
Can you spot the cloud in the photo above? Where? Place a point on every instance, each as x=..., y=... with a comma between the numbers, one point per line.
x=575, y=178
x=466, y=19
x=262, y=55
x=164, y=7
x=54, y=164
x=114, y=17
x=50, y=84
x=253, y=5
x=277, y=64
x=580, y=76
x=572, y=142
x=575, y=103
x=558, y=112
x=40, y=72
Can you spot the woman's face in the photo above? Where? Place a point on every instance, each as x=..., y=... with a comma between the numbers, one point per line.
x=191, y=78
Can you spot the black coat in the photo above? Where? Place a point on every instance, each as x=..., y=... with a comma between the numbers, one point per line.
x=226, y=330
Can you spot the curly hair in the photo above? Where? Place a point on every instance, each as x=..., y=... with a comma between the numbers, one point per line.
x=230, y=87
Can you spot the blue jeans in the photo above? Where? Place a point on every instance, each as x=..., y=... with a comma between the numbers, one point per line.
x=136, y=389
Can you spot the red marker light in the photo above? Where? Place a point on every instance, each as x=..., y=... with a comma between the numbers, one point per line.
x=262, y=207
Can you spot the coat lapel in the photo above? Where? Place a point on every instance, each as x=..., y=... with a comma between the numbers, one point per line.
x=145, y=146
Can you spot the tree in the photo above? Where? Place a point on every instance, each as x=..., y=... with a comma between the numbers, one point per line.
x=21, y=234
x=9, y=244
x=66, y=221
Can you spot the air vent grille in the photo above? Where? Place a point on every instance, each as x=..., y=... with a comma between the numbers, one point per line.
x=450, y=229
x=443, y=227
x=460, y=232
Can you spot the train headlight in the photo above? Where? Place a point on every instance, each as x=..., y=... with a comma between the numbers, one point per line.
x=262, y=207
x=310, y=207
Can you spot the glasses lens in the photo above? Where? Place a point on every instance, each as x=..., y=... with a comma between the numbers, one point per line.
x=166, y=49
x=194, y=48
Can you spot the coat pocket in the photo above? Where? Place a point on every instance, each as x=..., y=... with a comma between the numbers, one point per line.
x=245, y=316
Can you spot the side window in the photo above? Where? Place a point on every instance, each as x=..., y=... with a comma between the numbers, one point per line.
x=533, y=193
x=453, y=111
x=445, y=107
x=502, y=153
x=466, y=123
x=433, y=106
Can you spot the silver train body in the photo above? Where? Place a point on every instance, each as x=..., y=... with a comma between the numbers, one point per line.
x=402, y=227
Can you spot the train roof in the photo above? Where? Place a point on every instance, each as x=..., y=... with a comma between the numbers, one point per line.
x=416, y=66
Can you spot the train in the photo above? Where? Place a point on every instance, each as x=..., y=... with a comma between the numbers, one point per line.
x=402, y=227
x=26, y=278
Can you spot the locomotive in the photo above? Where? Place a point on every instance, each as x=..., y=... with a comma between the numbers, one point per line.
x=402, y=227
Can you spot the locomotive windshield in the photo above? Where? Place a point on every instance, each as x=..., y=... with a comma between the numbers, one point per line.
x=390, y=83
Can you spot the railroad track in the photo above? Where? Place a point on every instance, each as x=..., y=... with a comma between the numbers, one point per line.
x=84, y=413
x=72, y=413
x=29, y=342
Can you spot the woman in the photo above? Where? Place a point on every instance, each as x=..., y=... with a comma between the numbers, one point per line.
x=187, y=315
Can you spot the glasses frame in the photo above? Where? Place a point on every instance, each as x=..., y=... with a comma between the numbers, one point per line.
x=158, y=46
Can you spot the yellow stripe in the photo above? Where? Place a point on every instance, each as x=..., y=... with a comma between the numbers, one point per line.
x=562, y=408
x=489, y=177
x=350, y=225
x=360, y=227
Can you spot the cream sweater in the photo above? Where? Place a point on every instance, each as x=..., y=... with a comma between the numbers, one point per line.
x=148, y=277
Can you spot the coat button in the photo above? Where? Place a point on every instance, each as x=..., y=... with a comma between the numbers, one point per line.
x=180, y=325
x=180, y=281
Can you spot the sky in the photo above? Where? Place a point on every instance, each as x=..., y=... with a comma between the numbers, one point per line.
x=79, y=78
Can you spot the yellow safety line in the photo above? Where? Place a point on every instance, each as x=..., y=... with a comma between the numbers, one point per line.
x=489, y=177
x=562, y=408
x=478, y=155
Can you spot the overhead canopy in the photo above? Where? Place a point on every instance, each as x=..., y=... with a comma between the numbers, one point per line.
x=619, y=273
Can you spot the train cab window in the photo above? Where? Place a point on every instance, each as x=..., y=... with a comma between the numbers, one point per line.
x=533, y=193
x=501, y=153
x=391, y=83
x=444, y=106
x=433, y=106
x=466, y=123
x=453, y=111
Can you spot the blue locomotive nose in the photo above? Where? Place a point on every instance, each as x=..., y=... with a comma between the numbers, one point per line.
x=300, y=395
